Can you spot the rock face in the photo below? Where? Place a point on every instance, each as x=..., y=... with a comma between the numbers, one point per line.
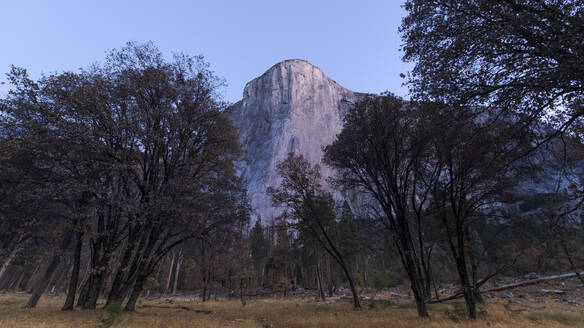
x=292, y=107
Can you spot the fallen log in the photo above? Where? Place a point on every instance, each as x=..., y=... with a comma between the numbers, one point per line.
x=553, y=291
x=532, y=282
x=459, y=293
x=186, y=308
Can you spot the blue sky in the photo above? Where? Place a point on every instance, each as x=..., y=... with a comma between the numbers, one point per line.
x=356, y=43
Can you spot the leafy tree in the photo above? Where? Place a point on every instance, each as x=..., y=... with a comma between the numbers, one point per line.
x=137, y=151
x=512, y=55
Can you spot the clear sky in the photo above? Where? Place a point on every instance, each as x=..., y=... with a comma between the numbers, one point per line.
x=356, y=43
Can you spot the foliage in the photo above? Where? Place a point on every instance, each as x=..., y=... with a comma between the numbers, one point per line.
x=515, y=55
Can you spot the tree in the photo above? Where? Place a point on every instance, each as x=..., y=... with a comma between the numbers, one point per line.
x=466, y=186
x=51, y=146
x=311, y=208
x=379, y=152
x=513, y=55
x=136, y=153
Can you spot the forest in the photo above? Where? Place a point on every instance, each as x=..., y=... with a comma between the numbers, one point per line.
x=120, y=181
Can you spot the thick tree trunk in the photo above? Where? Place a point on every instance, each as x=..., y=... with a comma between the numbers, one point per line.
x=48, y=275
x=402, y=239
x=415, y=277
x=70, y=301
x=95, y=281
x=477, y=295
x=34, y=277
x=469, y=299
x=136, y=291
x=123, y=279
x=43, y=283
x=144, y=267
x=420, y=300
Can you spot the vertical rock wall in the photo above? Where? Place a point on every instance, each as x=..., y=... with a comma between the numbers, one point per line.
x=292, y=107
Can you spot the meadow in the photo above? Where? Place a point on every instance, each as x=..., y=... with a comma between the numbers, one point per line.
x=279, y=312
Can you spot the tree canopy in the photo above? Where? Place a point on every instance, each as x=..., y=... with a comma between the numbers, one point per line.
x=514, y=55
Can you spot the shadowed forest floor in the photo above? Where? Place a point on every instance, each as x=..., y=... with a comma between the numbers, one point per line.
x=278, y=312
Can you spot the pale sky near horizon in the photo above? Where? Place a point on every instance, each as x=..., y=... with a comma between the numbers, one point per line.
x=356, y=43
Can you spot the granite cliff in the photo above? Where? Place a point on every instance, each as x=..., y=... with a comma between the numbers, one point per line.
x=292, y=107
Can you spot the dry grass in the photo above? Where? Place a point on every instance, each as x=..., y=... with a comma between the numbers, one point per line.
x=285, y=313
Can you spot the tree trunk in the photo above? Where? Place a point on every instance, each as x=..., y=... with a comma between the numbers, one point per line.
x=469, y=299
x=419, y=292
x=144, y=268
x=95, y=280
x=168, y=279
x=43, y=283
x=356, y=302
x=241, y=295
x=48, y=275
x=34, y=277
x=319, y=281
x=18, y=282
x=7, y=262
x=136, y=291
x=124, y=276
x=416, y=280
x=83, y=293
x=70, y=301
x=177, y=271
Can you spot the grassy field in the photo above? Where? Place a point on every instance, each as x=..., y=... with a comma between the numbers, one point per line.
x=284, y=313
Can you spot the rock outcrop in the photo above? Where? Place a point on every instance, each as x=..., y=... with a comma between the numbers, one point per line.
x=292, y=107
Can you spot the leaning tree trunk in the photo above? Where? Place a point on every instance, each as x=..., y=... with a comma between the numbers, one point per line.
x=145, y=267
x=7, y=262
x=99, y=261
x=125, y=274
x=95, y=287
x=48, y=275
x=70, y=301
x=356, y=302
x=138, y=287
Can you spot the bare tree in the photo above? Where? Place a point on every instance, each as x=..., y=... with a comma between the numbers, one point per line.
x=379, y=152
x=311, y=208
